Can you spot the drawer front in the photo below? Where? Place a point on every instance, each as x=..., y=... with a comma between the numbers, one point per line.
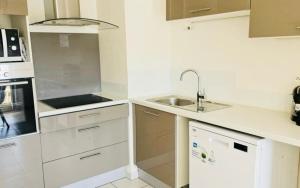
x=76, y=140
x=200, y=7
x=21, y=163
x=88, y=117
x=72, y=169
x=233, y=5
x=175, y=9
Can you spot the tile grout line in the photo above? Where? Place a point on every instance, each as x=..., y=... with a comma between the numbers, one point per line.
x=115, y=186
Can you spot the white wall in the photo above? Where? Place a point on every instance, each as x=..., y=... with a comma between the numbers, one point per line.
x=235, y=68
x=147, y=47
x=113, y=47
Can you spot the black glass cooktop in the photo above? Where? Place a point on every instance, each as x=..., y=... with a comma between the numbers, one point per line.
x=72, y=101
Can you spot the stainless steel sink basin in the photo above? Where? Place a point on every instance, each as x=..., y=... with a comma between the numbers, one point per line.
x=188, y=104
x=174, y=101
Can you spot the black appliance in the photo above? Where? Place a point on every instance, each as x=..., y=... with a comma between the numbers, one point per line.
x=73, y=101
x=296, y=107
x=10, y=47
x=17, y=112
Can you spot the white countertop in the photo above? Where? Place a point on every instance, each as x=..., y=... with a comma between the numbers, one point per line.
x=261, y=122
x=45, y=110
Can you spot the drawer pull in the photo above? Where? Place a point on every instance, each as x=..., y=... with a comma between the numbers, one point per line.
x=9, y=145
x=89, y=156
x=88, y=128
x=199, y=10
x=151, y=113
x=89, y=115
x=298, y=27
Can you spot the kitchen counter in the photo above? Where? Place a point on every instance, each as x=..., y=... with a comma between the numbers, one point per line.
x=45, y=110
x=261, y=122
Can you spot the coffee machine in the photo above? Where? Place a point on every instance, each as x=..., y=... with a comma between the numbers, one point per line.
x=296, y=107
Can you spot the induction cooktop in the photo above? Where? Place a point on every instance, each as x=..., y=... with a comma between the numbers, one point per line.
x=73, y=101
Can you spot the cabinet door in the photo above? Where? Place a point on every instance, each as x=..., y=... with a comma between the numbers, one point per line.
x=21, y=163
x=200, y=7
x=155, y=143
x=175, y=9
x=232, y=5
x=13, y=7
x=274, y=18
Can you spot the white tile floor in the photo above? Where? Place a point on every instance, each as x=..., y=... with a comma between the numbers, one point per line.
x=126, y=183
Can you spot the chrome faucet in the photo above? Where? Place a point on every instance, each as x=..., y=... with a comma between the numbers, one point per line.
x=200, y=95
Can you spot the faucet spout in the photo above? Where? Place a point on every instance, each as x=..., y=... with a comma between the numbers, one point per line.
x=200, y=95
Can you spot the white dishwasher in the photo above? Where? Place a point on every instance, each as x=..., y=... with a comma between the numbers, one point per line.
x=220, y=158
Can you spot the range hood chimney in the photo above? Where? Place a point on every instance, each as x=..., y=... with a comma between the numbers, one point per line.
x=68, y=13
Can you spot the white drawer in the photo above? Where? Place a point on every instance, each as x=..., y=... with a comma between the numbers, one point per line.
x=87, y=117
x=72, y=169
x=76, y=140
x=21, y=163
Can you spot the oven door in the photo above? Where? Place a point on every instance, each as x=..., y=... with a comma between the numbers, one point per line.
x=17, y=113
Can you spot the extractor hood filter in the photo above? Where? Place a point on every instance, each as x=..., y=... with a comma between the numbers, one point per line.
x=67, y=13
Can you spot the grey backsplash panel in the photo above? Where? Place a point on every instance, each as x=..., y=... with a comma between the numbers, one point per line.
x=66, y=64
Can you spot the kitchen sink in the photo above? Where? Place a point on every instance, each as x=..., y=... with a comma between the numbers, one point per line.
x=188, y=104
x=174, y=101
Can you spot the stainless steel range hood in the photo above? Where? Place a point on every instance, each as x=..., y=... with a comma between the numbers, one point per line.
x=68, y=13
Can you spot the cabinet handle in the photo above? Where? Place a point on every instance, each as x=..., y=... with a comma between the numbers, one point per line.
x=199, y=10
x=9, y=145
x=89, y=128
x=89, y=156
x=298, y=27
x=151, y=113
x=89, y=115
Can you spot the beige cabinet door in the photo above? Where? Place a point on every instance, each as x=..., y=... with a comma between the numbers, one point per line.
x=155, y=143
x=271, y=18
x=194, y=8
x=175, y=9
x=21, y=162
x=13, y=7
x=233, y=5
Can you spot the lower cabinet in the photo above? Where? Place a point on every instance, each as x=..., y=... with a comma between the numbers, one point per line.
x=21, y=162
x=80, y=145
x=155, y=144
x=75, y=168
